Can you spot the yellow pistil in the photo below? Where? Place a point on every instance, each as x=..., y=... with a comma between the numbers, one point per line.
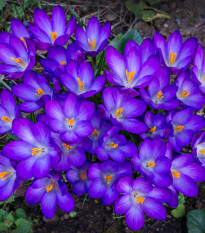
x=81, y=84
x=118, y=112
x=6, y=119
x=62, y=63
x=172, y=58
x=24, y=42
x=108, y=178
x=92, y=44
x=83, y=176
x=20, y=61
x=39, y=92
x=95, y=132
x=49, y=188
x=35, y=151
x=113, y=145
x=4, y=175
x=68, y=147
x=178, y=128
x=160, y=95
x=175, y=174
x=54, y=36
x=184, y=93
x=70, y=122
x=202, y=152
x=151, y=164
x=152, y=130
x=130, y=76
x=139, y=199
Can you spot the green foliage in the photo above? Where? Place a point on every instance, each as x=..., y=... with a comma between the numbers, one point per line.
x=20, y=213
x=180, y=210
x=196, y=221
x=73, y=214
x=2, y=4
x=9, y=200
x=22, y=226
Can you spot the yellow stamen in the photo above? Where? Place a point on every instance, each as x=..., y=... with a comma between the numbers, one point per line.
x=5, y=175
x=108, y=178
x=24, y=42
x=172, y=58
x=54, y=36
x=113, y=145
x=92, y=44
x=152, y=130
x=118, y=112
x=35, y=151
x=139, y=199
x=95, y=132
x=81, y=84
x=6, y=119
x=178, y=128
x=39, y=92
x=184, y=93
x=202, y=152
x=62, y=63
x=130, y=76
x=203, y=79
x=19, y=61
x=151, y=164
x=160, y=95
x=175, y=174
x=68, y=147
x=83, y=176
x=49, y=188
x=70, y=122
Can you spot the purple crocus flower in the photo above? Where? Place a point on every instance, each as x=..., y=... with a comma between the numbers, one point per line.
x=95, y=39
x=115, y=146
x=16, y=57
x=182, y=126
x=8, y=111
x=121, y=110
x=47, y=32
x=104, y=177
x=8, y=179
x=134, y=69
x=19, y=30
x=189, y=92
x=160, y=94
x=50, y=190
x=152, y=162
x=34, y=90
x=175, y=54
x=155, y=125
x=33, y=150
x=71, y=120
x=140, y=196
x=78, y=177
x=198, y=146
x=79, y=79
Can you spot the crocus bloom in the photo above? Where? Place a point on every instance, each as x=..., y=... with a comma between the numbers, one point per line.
x=19, y=30
x=50, y=190
x=71, y=120
x=79, y=79
x=175, y=54
x=198, y=70
x=16, y=57
x=152, y=162
x=140, y=196
x=47, y=32
x=8, y=179
x=189, y=92
x=33, y=150
x=34, y=90
x=78, y=177
x=121, y=110
x=198, y=146
x=115, y=146
x=8, y=111
x=134, y=69
x=104, y=177
x=155, y=125
x=95, y=39
x=160, y=94
x=183, y=124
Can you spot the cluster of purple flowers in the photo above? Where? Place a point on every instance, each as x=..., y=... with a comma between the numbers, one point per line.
x=71, y=131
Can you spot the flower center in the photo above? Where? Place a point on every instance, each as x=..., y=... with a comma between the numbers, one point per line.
x=202, y=152
x=108, y=178
x=68, y=147
x=6, y=119
x=152, y=130
x=70, y=122
x=139, y=199
x=5, y=175
x=83, y=176
x=20, y=61
x=53, y=36
x=184, y=93
x=92, y=44
x=81, y=85
x=113, y=145
x=160, y=95
x=24, y=42
x=49, y=188
x=178, y=128
x=130, y=76
x=151, y=164
x=39, y=92
x=95, y=132
x=62, y=63
x=175, y=174
x=172, y=58
x=35, y=151
x=118, y=113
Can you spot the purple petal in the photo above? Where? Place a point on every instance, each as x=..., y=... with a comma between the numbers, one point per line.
x=93, y=29
x=161, y=194
x=123, y=204
x=97, y=189
x=24, y=168
x=109, y=197
x=134, y=218
x=134, y=126
x=54, y=110
x=65, y=202
x=33, y=196
x=141, y=185
x=174, y=43
x=48, y=204
x=58, y=20
x=94, y=171
x=83, y=129
x=124, y=185
x=19, y=29
x=41, y=167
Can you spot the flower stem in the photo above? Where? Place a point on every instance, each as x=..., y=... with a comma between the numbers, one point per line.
x=5, y=84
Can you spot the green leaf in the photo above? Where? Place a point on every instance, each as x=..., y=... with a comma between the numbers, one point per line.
x=23, y=226
x=73, y=214
x=116, y=40
x=20, y=213
x=10, y=218
x=196, y=221
x=152, y=2
x=3, y=214
x=148, y=15
x=12, y=136
x=2, y=4
x=9, y=200
x=181, y=199
x=179, y=211
x=3, y=228
x=136, y=8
